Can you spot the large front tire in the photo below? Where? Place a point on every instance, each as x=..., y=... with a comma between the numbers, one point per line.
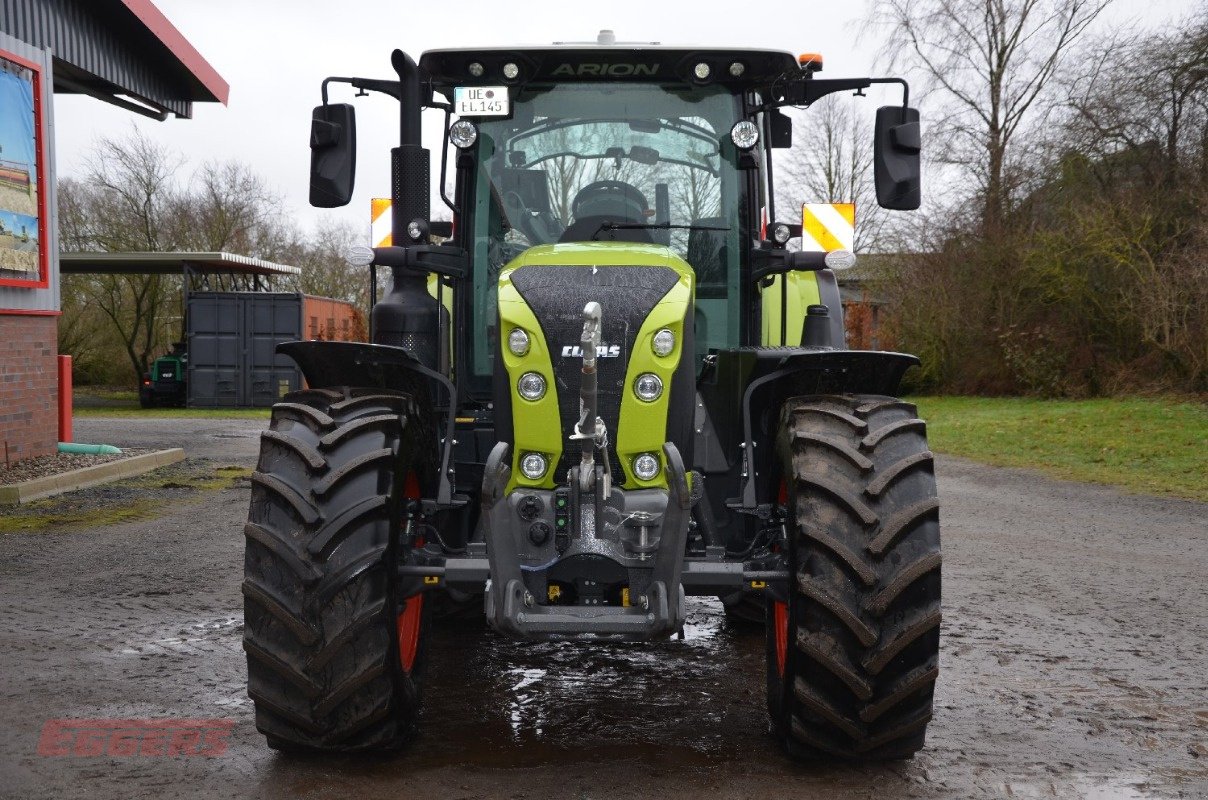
x=853, y=654
x=334, y=656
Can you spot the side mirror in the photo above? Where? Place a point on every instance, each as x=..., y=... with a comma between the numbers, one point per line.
x=333, y=155
x=896, y=169
x=781, y=130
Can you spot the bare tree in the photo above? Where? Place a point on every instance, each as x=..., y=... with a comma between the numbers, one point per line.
x=128, y=201
x=322, y=258
x=1146, y=93
x=131, y=198
x=230, y=207
x=993, y=61
x=831, y=162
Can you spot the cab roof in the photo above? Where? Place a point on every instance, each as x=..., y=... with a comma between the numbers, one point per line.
x=578, y=62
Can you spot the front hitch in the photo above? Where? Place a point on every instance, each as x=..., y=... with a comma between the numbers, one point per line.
x=591, y=436
x=514, y=602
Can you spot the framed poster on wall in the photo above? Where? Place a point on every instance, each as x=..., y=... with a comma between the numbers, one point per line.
x=24, y=260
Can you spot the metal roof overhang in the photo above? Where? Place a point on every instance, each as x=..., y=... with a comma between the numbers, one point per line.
x=169, y=264
x=225, y=272
x=124, y=52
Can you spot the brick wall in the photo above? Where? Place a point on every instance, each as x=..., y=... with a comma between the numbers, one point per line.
x=29, y=390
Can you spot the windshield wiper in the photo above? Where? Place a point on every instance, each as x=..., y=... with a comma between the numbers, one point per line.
x=652, y=226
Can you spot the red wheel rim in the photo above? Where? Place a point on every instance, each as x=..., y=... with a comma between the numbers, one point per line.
x=408, y=631
x=780, y=625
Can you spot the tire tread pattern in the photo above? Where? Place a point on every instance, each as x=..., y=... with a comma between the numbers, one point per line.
x=864, y=609
x=319, y=627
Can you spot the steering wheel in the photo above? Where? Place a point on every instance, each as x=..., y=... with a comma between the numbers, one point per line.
x=605, y=191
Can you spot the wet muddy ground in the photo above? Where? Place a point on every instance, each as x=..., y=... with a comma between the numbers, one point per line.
x=1075, y=664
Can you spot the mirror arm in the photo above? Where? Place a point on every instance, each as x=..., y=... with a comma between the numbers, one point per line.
x=444, y=159
x=805, y=91
x=767, y=151
x=446, y=260
x=766, y=262
x=392, y=88
x=905, y=88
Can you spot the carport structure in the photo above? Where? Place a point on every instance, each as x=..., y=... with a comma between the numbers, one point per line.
x=228, y=305
x=234, y=310
x=202, y=272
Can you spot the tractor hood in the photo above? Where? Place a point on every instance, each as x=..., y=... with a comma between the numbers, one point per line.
x=642, y=289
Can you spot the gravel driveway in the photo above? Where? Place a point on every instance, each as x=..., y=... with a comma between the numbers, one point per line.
x=1074, y=664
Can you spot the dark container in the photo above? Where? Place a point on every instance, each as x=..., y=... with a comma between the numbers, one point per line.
x=233, y=336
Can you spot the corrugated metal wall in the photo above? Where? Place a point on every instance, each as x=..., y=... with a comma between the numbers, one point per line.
x=113, y=50
x=232, y=341
x=233, y=338
x=17, y=298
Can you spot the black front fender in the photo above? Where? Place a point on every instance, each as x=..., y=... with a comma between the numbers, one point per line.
x=756, y=381
x=327, y=365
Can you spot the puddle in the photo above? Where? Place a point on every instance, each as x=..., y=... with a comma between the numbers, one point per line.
x=538, y=703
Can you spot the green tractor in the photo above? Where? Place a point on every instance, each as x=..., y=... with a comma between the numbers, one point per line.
x=611, y=386
x=167, y=382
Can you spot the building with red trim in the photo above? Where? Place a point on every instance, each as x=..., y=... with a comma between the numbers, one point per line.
x=123, y=52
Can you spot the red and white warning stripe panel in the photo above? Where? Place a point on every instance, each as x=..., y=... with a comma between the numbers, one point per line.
x=380, y=224
x=827, y=227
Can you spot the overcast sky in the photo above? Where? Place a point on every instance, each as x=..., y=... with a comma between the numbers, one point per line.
x=274, y=53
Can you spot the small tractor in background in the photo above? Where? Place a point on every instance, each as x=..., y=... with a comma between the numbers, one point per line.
x=167, y=382
x=610, y=387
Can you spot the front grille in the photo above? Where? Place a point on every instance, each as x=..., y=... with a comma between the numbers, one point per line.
x=557, y=296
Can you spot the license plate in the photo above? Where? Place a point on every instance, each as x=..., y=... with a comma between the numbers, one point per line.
x=481, y=101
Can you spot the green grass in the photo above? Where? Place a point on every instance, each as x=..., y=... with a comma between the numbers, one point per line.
x=1157, y=447
x=151, y=413
x=141, y=497
x=117, y=401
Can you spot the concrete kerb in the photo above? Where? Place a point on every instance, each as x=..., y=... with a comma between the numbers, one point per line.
x=51, y=485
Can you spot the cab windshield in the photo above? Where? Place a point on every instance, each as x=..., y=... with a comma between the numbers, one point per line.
x=612, y=161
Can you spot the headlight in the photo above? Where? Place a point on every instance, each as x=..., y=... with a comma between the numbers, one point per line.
x=781, y=233
x=511, y=71
x=663, y=343
x=648, y=387
x=518, y=342
x=744, y=134
x=737, y=69
x=533, y=465
x=476, y=69
x=702, y=71
x=531, y=386
x=646, y=466
x=463, y=133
